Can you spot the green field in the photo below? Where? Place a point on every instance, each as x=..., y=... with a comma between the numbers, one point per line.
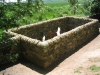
x=57, y=4
x=63, y=8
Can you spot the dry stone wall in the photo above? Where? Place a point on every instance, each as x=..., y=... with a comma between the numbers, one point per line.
x=74, y=33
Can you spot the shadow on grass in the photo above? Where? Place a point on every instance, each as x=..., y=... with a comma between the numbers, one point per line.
x=38, y=69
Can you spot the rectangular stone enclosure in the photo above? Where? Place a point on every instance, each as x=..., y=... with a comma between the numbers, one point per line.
x=74, y=32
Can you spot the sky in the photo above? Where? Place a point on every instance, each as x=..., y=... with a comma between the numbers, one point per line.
x=13, y=0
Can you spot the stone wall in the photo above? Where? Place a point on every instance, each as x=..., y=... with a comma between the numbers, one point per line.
x=49, y=27
x=46, y=53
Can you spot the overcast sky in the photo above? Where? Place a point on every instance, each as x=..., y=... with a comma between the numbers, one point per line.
x=13, y=0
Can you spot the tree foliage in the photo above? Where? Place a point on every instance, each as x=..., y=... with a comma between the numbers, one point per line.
x=38, y=4
x=74, y=4
x=11, y=13
x=95, y=8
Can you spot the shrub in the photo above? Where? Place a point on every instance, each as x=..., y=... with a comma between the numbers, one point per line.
x=95, y=8
x=9, y=17
x=12, y=13
x=6, y=44
x=74, y=5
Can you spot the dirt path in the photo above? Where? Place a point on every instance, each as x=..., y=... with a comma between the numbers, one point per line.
x=86, y=61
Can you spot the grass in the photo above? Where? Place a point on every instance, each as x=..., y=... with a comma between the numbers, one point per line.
x=97, y=74
x=95, y=68
x=64, y=8
x=56, y=4
x=94, y=59
x=78, y=70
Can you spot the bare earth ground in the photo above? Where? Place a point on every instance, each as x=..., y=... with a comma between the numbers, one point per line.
x=85, y=61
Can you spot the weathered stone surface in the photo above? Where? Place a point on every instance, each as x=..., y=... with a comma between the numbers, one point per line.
x=74, y=32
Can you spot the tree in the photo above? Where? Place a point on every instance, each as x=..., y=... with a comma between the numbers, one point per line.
x=18, y=1
x=12, y=13
x=38, y=4
x=29, y=3
x=74, y=4
x=95, y=7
